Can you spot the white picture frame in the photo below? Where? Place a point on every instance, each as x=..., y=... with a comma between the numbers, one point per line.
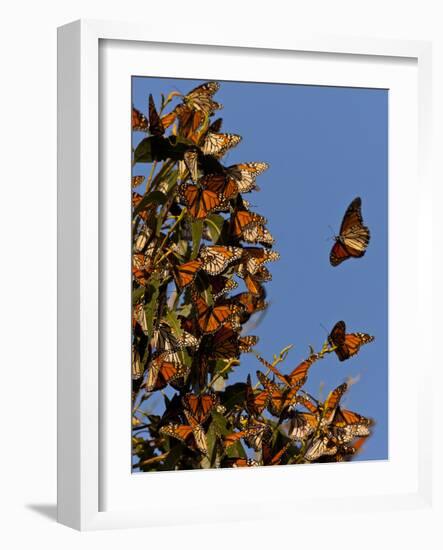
x=82, y=393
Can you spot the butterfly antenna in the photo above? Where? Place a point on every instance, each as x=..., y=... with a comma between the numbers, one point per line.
x=332, y=237
x=324, y=328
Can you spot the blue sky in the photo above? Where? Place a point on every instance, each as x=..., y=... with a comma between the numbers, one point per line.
x=325, y=146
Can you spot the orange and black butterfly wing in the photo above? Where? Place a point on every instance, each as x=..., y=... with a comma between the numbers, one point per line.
x=211, y=318
x=200, y=202
x=332, y=402
x=201, y=406
x=337, y=338
x=185, y=273
x=155, y=124
x=139, y=121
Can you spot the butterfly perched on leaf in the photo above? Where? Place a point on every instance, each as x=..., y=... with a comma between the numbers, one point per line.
x=216, y=259
x=211, y=318
x=221, y=285
x=217, y=145
x=200, y=98
x=353, y=238
x=242, y=220
x=164, y=369
x=244, y=175
x=200, y=406
x=278, y=399
x=347, y=425
x=201, y=202
x=347, y=345
x=219, y=183
x=254, y=435
x=321, y=446
x=139, y=121
x=191, y=434
x=186, y=273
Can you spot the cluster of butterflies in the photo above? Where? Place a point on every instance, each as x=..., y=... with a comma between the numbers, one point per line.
x=181, y=339
x=171, y=353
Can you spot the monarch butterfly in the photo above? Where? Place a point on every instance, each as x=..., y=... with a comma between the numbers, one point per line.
x=254, y=257
x=183, y=432
x=244, y=175
x=215, y=126
x=246, y=343
x=168, y=119
x=302, y=424
x=255, y=403
x=211, y=318
x=348, y=425
x=347, y=345
x=156, y=127
x=163, y=339
x=224, y=344
x=190, y=159
x=242, y=220
x=221, y=285
x=299, y=375
x=332, y=401
x=320, y=447
x=137, y=180
x=200, y=98
x=141, y=276
x=215, y=259
x=253, y=435
x=200, y=406
x=163, y=370
x=276, y=401
x=200, y=202
x=270, y=459
x=139, y=121
x=257, y=233
x=139, y=317
x=353, y=238
x=217, y=144
x=219, y=183
x=137, y=369
x=185, y=273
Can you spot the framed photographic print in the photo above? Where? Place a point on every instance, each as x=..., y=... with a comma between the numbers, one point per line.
x=238, y=230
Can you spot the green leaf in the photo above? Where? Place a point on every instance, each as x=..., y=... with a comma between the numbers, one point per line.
x=196, y=231
x=137, y=294
x=173, y=457
x=214, y=223
x=174, y=323
x=234, y=395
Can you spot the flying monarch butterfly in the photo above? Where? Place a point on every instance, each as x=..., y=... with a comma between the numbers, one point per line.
x=280, y=400
x=156, y=127
x=185, y=273
x=215, y=259
x=244, y=175
x=137, y=180
x=219, y=183
x=200, y=98
x=139, y=121
x=183, y=433
x=242, y=220
x=217, y=144
x=164, y=369
x=353, y=238
x=200, y=406
x=246, y=343
x=200, y=202
x=211, y=318
x=249, y=304
x=320, y=447
x=255, y=403
x=347, y=345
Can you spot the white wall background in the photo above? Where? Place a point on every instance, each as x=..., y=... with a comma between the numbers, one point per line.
x=28, y=245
